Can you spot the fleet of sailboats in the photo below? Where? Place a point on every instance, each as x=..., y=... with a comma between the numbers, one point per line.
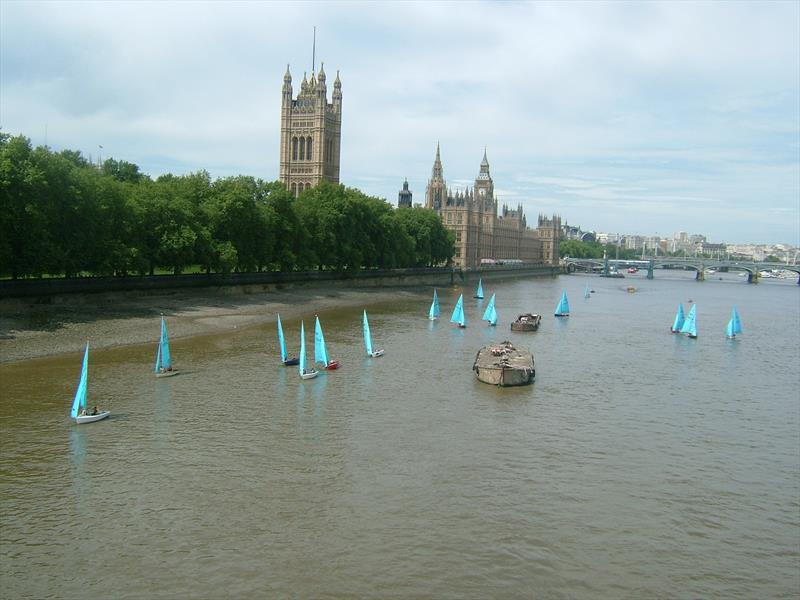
x=458, y=313
x=372, y=352
x=79, y=411
x=490, y=314
x=164, y=366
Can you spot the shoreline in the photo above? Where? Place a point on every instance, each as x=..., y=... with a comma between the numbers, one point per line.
x=31, y=330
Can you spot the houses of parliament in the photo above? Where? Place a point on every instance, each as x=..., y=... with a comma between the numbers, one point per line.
x=311, y=137
x=482, y=236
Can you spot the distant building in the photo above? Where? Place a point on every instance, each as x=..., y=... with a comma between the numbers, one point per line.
x=404, y=197
x=480, y=234
x=311, y=133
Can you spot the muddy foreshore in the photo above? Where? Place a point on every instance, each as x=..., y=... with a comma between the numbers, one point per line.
x=33, y=328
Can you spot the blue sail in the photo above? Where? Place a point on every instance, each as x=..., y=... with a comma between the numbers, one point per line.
x=281, y=340
x=493, y=317
x=302, y=367
x=166, y=360
x=479, y=291
x=79, y=402
x=586, y=291
x=487, y=314
x=679, y=319
x=737, y=322
x=458, y=312
x=434, y=311
x=320, y=352
x=690, y=324
x=367, y=336
x=562, y=310
x=729, y=332
x=158, y=357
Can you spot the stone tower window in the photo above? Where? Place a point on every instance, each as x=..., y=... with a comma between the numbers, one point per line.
x=302, y=148
x=308, y=148
x=294, y=148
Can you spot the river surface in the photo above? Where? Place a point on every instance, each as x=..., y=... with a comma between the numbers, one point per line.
x=640, y=464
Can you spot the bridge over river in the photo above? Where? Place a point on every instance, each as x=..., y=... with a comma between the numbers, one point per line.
x=700, y=265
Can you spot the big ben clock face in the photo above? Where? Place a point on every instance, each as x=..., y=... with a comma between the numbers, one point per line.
x=483, y=192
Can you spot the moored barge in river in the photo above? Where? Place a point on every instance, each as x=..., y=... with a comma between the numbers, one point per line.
x=527, y=322
x=504, y=365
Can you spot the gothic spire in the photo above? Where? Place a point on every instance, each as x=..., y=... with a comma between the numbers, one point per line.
x=437, y=172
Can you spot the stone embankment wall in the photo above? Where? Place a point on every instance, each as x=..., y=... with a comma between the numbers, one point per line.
x=265, y=282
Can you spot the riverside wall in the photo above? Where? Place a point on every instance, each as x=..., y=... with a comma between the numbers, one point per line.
x=265, y=282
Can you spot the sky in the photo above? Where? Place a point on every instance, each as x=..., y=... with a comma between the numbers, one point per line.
x=633, y=117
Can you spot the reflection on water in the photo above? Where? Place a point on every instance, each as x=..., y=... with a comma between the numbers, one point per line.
x=640, y=461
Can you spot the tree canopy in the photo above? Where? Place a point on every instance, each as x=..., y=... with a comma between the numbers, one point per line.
x=62, y=216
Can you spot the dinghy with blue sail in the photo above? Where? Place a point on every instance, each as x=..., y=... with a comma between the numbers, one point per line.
x=690, y=324
x=458, y=313
x=679, y=319
x=490, y=314
x=304, y=372
x=164, y=366
x=562, y=310
x=79, y=411
x=734, y=325
x=371, y=352
x=586, y=291
x=284, y=357
x=433, y=313
x=321, y=351
x=479, y=291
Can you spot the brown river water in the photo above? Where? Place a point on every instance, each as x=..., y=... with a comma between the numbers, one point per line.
x=640, y=464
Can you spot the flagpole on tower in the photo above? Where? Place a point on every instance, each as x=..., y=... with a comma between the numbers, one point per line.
x=314, y=50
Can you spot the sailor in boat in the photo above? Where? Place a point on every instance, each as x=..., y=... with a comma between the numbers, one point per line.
x=167, y=370
x=86, y=412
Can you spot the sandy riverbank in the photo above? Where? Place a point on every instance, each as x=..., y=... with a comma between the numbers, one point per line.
x=31, y=330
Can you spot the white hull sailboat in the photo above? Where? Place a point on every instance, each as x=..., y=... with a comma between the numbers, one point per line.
x=458, y=313
x=321, y=351
x=79, y=411
x=371, y=352
x=490, y=314
x=164, y=366
x=304, y=373
x=433, y=313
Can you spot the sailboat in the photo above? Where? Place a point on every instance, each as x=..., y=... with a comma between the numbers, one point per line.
x=562, y=310
x=304, y=373
x=690, y=324
x=734, y=325
x=373, y=352
x=679, y=319
x=433, y=313
x=320, y=351
x=586, y=291
x=79, y=412
x=458, y=313
x=479, y=291
x=284, y=358
x=164, y=366
x=490, y=314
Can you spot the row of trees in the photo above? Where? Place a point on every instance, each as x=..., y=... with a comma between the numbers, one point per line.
x=62, y=216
